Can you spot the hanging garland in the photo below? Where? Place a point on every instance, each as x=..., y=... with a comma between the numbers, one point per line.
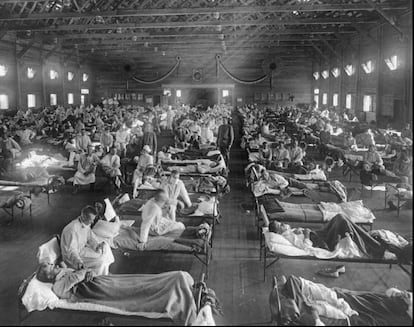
x=136, y=79
x=234, y=78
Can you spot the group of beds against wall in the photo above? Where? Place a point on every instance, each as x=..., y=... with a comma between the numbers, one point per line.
x=34, y=82
x=370, y=75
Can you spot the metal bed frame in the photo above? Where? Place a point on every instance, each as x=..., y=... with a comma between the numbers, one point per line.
x=276, y=257
x=23, y=314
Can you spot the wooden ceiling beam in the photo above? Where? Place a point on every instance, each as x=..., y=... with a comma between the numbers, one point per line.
x=388, y=18
x=208, y=11
x=196, y=41
x=320, y=31
x=331, y=48
x=320, y=52
x=25, y=49
x=186, y=24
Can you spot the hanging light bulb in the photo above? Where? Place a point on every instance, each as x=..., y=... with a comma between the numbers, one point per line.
x=163, y=53
x=99, y=19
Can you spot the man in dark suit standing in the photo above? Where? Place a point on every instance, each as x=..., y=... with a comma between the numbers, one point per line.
x=225, y=138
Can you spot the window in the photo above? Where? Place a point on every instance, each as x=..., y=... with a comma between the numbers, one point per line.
x=367, y=103
x=53, y=74
x=85, y=77
x=348, y=101
x=225, y=93
x=148, y=99
x=3, y=70
x=316, y=100
x=84, y=91
x=325, y=74
x=316, y=75
x=178, y=93
x=4, y=101
x=31, y=101
x=53, y=99
x=335, y=99
x=349, y=70
x=392, y=62
x=325, y=98
x=368, y=67
x=30, y=72
x=82, y=100
x=70, y=98
x=71, y=75
x=335, y=72
x=140, y=96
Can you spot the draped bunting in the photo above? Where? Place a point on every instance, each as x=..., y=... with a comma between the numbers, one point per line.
x=234, y=78
x=162, y=77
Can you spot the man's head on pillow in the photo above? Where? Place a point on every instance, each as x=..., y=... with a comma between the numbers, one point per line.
x=46, y=272
x=277, y=227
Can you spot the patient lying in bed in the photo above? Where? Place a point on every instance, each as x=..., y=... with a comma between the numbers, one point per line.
x=297, y=301
x=166, y=295
x=343, y=238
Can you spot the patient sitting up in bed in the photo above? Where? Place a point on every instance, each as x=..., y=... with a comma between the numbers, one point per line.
x=166, y=295
x=153, y=223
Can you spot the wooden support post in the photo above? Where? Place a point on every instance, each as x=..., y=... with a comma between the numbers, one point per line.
x=43, y=77
x=18, y=90
x=380, y=59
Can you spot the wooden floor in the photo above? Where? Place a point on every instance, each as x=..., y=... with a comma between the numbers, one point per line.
x=235, y=271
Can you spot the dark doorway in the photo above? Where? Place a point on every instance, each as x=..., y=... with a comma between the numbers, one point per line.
x=202, y=97
x=157, y=100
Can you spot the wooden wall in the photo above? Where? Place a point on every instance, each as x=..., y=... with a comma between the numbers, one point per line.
x=392, y=90
x=293, y=80
x=17, y=85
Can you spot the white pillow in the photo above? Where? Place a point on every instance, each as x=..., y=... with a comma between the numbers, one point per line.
x=109, y=210
x=49, y=251
x=38, y=296
x=106, y=229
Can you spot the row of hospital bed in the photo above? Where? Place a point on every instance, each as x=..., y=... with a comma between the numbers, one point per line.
x=303, y=208
x=125, y=243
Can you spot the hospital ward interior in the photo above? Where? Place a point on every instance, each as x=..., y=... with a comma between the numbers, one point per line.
x=206, y=162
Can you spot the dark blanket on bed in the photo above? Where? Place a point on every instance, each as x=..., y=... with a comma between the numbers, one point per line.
x=179, y=240
x=166, y=295
x=374, y=309
x=338, y=226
